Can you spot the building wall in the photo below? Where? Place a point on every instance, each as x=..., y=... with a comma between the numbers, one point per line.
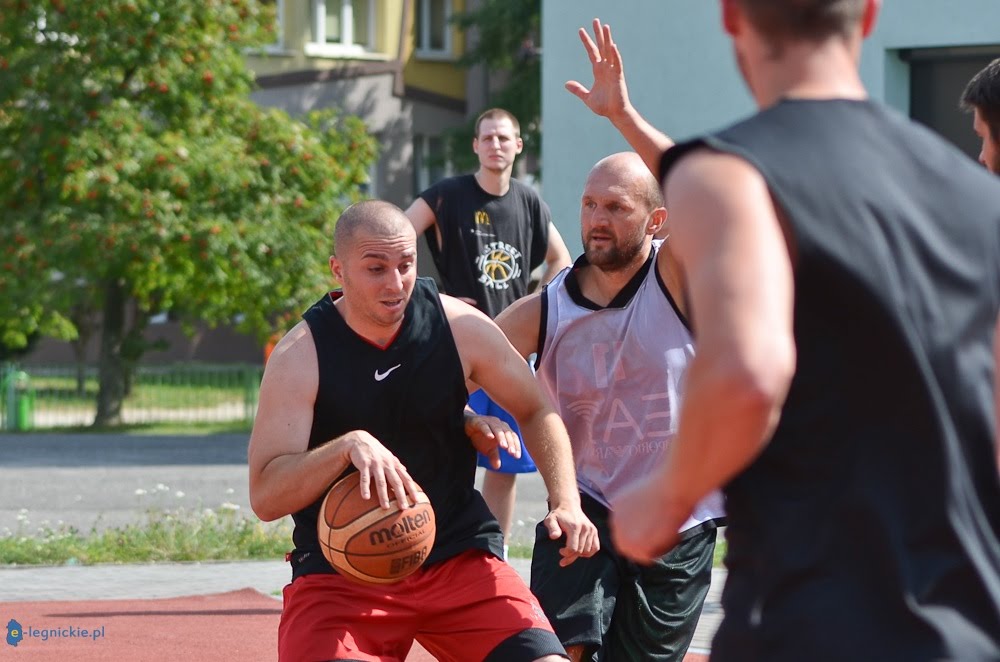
x=431, y=99
x=393, y=120
x=289, y=54
x=683, y=78
x=440, y=76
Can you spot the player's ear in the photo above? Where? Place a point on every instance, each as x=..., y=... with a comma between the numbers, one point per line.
x=520, y=145
x=337, y=268
x=872, y=9
x=730, y=17
x=656, y=221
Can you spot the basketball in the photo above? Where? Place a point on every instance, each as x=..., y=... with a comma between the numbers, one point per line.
x=368, y=543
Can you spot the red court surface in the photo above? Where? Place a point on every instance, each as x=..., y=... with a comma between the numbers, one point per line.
x=239, y=625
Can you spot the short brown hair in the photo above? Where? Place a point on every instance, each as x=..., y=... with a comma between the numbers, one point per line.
x=497, y=114
x=983, y=94
x=373, y=217
x=804, y=19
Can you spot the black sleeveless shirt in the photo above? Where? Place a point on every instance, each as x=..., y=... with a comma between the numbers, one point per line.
x=410, y=396
x=870, y=522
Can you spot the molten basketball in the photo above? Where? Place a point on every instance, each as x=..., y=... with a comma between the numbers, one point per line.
x=368, y=543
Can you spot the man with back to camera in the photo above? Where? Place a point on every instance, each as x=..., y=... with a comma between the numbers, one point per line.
x=375, y=378
x=490, y=233
x=982, y=98
x=842, y=269
x=612, y=346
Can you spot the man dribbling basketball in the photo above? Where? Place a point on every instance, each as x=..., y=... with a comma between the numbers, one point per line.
x=375, y=377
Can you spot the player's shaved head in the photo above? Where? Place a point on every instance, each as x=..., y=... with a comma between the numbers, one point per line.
x=370, y=218
x=629, y=168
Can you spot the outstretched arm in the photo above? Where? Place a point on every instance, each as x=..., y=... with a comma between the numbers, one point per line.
x=608, y=97
x=519, y=322
x=726, y=233
x=490, y=360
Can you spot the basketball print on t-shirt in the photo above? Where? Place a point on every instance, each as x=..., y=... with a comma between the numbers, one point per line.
x=498, y=264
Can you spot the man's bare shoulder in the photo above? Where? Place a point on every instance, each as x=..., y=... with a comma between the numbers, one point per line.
x=461, y=314
x=295, y=347
x=713, y=173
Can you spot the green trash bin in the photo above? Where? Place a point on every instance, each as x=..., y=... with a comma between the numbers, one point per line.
x=19, y=395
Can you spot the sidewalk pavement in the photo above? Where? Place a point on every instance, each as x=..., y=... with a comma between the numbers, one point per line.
x=166, y=580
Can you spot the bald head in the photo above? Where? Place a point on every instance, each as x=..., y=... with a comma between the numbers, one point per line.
x=631, y=172
x=374, y=219
x=621, y=210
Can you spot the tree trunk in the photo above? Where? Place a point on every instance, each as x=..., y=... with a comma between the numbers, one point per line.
x=84, y=331
x=134, y=344
x=111, y=366
x=80, y=358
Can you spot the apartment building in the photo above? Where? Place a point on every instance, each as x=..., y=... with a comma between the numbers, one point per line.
x=391, y=62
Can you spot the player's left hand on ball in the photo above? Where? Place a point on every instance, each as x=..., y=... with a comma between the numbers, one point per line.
x=489, y=434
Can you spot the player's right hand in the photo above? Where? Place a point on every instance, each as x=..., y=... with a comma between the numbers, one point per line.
x=377, y=465
x=489, y=434
x=608, y=96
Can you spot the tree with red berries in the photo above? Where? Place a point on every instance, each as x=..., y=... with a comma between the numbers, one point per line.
x=137, y=176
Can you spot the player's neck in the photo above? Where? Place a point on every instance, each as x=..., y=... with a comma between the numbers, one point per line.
x=494, y=182
x=808, y=71
x=380, y=335
x=602, y=286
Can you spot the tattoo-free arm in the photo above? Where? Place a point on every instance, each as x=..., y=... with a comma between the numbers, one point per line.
x=608, y=97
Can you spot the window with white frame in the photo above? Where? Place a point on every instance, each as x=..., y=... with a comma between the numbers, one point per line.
x=342, y=27
x=430, y=161
x=278, y=7
x=433, y=28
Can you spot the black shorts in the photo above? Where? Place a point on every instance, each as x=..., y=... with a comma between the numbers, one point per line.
x=619, y=610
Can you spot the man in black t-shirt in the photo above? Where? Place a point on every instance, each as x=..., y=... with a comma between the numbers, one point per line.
x=489, y=233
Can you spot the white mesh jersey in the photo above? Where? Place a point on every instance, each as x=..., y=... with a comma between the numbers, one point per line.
x=615, y=374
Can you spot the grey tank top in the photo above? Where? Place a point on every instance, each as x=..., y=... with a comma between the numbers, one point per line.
x=616, y=375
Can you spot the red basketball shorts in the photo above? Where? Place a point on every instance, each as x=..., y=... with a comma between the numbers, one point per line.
x=468, y=608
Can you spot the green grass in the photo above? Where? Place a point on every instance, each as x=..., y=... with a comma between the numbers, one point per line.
x=523, y=551
x=161, y=391
x=720, y=552
x=182, y=536
x=167, y=536
x=170, y=429
x=519, y=551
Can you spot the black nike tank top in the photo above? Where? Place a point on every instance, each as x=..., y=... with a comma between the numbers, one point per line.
x=410, y=396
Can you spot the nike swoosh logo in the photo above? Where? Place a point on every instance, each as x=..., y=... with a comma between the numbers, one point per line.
x=379, y=376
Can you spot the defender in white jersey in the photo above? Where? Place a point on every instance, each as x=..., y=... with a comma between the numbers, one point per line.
x=612, y=346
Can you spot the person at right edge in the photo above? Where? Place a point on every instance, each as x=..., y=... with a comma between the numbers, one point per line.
x=843, y=272
x=981, y=97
